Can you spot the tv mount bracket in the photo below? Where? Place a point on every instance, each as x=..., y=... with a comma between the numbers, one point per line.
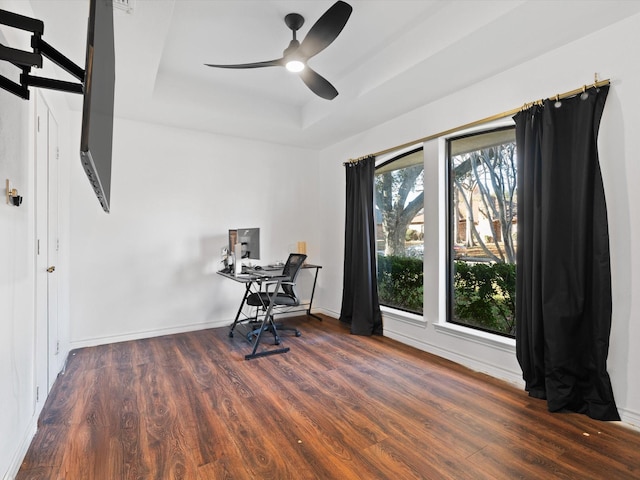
x=26, y=60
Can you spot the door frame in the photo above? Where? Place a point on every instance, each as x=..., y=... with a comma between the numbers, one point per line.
x=47, y=364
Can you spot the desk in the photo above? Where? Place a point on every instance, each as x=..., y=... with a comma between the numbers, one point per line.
x=253, y=281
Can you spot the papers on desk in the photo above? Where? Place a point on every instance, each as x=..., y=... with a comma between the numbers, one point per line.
x=264, y=271
x=259, y=275
x=268, y=276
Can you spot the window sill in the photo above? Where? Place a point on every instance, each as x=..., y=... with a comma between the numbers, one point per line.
x=402, y=316
x=483, y=338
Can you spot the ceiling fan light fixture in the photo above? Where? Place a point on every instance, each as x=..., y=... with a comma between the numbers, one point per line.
x=295, y=56
x=295, y=66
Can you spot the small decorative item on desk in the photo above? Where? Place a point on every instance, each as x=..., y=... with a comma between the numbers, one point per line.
x=302, y=248
x=237, y=253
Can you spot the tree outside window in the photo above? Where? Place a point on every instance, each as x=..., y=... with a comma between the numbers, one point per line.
x=399, y=198
x=483, y=226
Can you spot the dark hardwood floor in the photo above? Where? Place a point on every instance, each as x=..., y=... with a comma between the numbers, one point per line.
x=336, y=406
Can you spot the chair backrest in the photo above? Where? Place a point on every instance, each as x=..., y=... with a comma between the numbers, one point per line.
x=291, y=270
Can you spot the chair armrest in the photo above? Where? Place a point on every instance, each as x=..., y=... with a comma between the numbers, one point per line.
x=266, y=282
x=273, y=291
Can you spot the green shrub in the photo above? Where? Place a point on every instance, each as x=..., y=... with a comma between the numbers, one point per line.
x=400, y=282
x=484, y=295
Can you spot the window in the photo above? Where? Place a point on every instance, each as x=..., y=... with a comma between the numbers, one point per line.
x=399, y=199
x=482, y=233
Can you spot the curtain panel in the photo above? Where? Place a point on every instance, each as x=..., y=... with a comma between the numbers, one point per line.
x=563, y=287
x=360, y=304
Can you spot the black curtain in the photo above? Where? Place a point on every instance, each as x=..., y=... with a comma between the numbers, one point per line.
x=563, y=287
x=360, y=305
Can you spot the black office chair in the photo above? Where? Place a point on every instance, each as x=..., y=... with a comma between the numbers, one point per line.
x=287, y=296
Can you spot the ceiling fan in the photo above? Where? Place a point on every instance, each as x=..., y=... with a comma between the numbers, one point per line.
x=296, y=55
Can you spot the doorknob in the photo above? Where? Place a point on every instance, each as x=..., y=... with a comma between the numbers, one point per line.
x=51, y=269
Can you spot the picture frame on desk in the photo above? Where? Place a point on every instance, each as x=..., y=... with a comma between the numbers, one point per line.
x=233, y=239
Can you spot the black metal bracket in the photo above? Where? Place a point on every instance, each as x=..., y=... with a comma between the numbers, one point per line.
x=26, y=60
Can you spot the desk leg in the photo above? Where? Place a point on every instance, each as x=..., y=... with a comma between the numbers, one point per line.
x=244, y=299
x=267, y=318
x=313, y=291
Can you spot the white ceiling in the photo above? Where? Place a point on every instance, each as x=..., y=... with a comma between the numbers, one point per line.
x=392, y=56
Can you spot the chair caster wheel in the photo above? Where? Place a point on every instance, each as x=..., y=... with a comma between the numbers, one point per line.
x=230, y=334
x=298, y=334
x=277, y=341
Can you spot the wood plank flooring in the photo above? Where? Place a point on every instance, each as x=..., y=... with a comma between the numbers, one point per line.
x=337, y=406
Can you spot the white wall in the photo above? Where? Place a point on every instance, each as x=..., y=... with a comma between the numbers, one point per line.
x=149, y=266
x=610, y=52
x=17, y=329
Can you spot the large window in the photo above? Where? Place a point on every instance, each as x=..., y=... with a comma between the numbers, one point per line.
x=482, y=233
x=399, y=198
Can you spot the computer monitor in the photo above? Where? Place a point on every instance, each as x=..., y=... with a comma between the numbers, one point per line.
x=249, y=239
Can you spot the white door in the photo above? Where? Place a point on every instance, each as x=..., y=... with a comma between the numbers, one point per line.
x=46, y=216
x=53, y=246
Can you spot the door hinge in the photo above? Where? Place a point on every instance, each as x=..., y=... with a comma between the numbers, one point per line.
x=38, y=248
x=57, y=347
x=37, y=394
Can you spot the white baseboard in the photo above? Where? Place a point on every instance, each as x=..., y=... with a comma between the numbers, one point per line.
x=630, y=418
x=328, y=313
x=496, y=371
x=21, y=451
x=92, y=342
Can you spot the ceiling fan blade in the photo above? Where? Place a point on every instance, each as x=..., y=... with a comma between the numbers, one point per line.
x=326, y=29
x=318, y=84
x=269, y=63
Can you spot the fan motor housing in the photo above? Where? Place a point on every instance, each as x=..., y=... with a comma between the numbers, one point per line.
x=294, y=21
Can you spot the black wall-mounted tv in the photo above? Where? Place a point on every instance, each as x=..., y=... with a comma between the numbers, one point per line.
x=97, y=110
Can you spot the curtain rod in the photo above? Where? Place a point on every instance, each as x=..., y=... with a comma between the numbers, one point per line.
x=498, y=116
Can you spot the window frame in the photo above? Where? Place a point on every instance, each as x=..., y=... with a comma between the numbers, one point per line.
x=449, y=232
x=397, y=312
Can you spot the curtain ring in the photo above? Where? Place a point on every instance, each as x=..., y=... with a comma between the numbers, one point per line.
x=557, y=103
x=584, y=95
